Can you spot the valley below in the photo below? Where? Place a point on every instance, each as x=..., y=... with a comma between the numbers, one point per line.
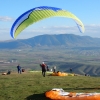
x=83, y=60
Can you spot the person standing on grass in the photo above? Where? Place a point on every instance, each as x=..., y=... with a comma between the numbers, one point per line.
x=70, y=70
x=43, y=66
x=19, y=68
x=54, y=69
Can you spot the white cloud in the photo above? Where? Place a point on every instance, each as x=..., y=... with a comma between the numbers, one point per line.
x=90, y=30
x=53, y=30
x=5, y=18
x=4, y=34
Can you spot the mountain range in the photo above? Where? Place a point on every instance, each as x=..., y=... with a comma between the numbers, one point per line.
x=69, y=40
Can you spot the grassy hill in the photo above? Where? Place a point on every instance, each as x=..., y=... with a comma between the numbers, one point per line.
x=32, y=86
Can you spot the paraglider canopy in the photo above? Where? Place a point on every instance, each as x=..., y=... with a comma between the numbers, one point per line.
x=39, y=13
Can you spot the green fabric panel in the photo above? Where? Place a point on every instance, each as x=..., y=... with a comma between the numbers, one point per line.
x=38, y=15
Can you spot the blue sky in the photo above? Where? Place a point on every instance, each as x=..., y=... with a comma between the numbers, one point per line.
x=88, y=11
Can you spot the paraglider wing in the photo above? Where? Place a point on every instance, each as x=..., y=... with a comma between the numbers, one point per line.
x=39, y=13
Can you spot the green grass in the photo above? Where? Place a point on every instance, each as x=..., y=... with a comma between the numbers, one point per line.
x=32, y=86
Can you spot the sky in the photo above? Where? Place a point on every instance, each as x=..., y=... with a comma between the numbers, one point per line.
x=88, y=11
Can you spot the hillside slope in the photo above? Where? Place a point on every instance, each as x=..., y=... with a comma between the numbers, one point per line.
x=69, y=40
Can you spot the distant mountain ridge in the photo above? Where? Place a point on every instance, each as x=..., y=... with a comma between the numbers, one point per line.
x=69, y=40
